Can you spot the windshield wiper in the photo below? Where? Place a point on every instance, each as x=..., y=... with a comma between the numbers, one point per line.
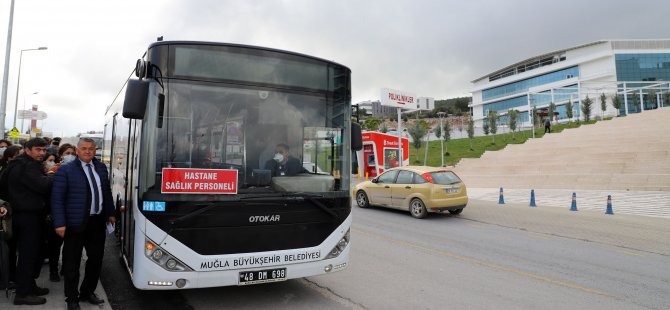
x=323, y=207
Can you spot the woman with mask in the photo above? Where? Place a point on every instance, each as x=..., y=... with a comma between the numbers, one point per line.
x=55, y=242
x=4, y=144
x=66, y=153
x=49, y=161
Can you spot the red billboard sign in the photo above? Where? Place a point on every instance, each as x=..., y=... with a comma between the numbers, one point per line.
x=199, y=181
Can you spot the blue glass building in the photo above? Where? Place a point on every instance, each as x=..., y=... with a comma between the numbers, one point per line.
x=635, y=73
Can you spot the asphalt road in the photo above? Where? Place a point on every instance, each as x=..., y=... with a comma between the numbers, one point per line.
x=489, y=257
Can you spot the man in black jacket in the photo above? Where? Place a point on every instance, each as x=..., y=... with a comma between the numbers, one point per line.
x=29, y=190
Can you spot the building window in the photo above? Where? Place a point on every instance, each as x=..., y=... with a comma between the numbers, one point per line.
x=643, y=67
x=524, y=85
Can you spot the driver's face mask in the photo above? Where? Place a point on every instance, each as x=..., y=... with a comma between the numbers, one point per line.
x=279, y=157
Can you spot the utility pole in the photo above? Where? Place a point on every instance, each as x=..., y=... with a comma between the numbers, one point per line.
x=5, y=77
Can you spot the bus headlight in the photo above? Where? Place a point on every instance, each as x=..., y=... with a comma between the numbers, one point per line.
x=157, y=255
x=339, y=248
x=163, y=258
x=171, y=263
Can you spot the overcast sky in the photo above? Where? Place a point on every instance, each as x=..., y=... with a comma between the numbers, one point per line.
x=431, y=48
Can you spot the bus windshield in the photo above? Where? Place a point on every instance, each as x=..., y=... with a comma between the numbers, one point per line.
x=201, y=125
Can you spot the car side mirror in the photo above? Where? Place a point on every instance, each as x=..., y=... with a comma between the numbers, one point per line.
x=374, y=180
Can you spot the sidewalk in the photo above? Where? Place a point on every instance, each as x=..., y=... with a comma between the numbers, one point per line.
x=645, y=203
x=56, y=297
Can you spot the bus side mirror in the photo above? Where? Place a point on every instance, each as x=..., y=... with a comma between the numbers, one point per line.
x=136, y=99
x=356, y=137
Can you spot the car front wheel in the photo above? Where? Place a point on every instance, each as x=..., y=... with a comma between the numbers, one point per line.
x=417, y=208
x=362, y=199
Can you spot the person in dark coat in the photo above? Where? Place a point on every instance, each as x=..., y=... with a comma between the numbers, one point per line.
x=29, y=189
x=283, y=164
x=81, y=206
x=547, y=125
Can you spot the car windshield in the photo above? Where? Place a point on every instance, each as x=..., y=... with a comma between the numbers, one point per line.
x=445, y=177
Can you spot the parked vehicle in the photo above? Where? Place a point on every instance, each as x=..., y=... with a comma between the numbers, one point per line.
x=417, y=189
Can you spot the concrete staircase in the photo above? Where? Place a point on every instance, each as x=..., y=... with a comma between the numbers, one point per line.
x=626, y=153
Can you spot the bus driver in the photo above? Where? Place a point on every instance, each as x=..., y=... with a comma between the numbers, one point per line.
x=283, y=164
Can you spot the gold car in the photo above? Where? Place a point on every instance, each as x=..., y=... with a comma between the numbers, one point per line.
x=418, y=189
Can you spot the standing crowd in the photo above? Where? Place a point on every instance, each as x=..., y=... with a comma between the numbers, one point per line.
x=53, y=196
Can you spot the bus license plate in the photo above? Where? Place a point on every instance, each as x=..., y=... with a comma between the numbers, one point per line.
x=262, y=276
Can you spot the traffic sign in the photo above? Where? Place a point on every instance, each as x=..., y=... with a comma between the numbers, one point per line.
x=14, y=132
x=30, y=114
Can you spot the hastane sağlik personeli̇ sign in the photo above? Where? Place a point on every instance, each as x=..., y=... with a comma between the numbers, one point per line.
x=199, y=181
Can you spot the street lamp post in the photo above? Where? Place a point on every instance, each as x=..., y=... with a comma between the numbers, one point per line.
x=441, y=114
x=8, y=49
x=18, y=79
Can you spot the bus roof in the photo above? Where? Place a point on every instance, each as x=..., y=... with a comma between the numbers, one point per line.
x=159, y=43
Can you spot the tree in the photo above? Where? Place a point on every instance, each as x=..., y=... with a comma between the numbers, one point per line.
x=586, y=108
x=552, y=109
x=383, y=128
x=511, y=121
x=603, y=104
x=446, y=130
x=568, y=110
x=372, y=124
x=460, y=125
x=652, y=98
x=447, y=133
x=616, y=103
x=417, y=132
x=471, y=130
x=438, y=131
x=485, y=126
x=493, y=123
x=636, y=101
x=666, y=99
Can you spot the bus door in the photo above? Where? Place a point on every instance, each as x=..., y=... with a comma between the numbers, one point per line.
x=129, y=220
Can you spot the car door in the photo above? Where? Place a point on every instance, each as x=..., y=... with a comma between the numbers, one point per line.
x=401, y=189
x=380, y=191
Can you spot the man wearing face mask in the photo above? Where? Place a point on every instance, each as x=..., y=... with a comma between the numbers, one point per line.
x=283, y=164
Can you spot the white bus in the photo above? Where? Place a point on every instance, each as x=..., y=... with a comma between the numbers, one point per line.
x=187, y=140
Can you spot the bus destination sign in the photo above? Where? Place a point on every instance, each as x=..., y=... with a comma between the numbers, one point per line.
x=199, y=181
